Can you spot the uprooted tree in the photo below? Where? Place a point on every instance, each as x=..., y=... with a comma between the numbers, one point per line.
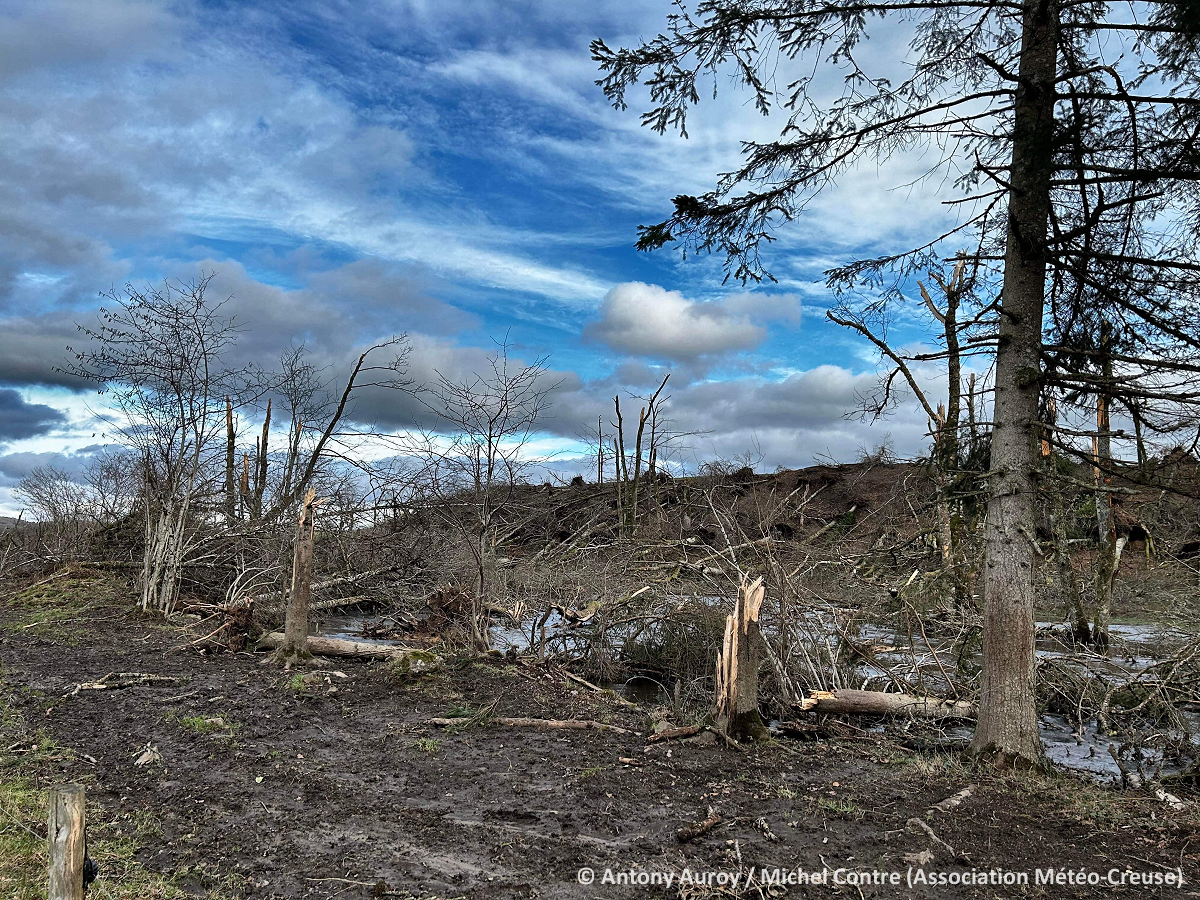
x=1075, y=185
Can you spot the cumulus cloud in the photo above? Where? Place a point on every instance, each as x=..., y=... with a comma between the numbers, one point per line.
x=648, y=320
x=20, y=420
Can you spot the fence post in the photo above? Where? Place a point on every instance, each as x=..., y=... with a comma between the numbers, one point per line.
x=65, y=833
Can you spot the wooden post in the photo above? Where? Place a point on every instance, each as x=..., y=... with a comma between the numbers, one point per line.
x=65, y=834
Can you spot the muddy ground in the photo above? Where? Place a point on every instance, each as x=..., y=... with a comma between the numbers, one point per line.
x=337, y=787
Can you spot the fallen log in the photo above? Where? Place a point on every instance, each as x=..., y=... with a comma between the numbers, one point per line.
x=672, y=733
x=549, y=724
x=620, y=701
x=273, y=599
x=323, y=646
x=880, y=703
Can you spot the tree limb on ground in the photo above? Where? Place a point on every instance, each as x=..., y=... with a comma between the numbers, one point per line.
x=549, y=724
x=700, y=828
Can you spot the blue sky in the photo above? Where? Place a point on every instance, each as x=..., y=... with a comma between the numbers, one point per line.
x=446, y=169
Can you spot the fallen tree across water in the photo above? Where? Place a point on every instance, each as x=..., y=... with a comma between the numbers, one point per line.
x=882, y=703
x=323, y=646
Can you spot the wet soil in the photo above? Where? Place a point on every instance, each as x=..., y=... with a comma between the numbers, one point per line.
x=338, y=788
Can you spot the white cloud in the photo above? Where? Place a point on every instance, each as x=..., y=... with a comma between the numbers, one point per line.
x=648, y=320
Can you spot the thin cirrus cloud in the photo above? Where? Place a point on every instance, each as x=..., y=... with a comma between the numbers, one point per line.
x=450, y=171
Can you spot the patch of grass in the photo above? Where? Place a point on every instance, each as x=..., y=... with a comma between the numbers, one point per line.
x=844, y=809
x=940, y=765
x=428, y=745
x=1105, y=809
x=590, y=772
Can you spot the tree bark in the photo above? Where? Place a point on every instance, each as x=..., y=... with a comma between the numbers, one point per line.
x=1007, y=727
x=65, y=829
x=295, y=629
x=1106, y=526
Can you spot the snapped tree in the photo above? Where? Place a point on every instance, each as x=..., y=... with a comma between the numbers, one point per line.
x=1074, y=185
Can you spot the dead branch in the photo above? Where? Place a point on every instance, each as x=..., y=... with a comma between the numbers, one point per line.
x=700, y=828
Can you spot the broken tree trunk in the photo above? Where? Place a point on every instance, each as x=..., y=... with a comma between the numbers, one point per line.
x=879, y=703
x=323, y=646
x=277, y=600
x=737, y=668
x=295, y=632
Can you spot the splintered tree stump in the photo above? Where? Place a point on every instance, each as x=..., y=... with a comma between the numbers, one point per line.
x=737, y=668
x=295, y=631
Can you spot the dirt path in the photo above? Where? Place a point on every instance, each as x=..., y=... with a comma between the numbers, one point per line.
x=336, y=788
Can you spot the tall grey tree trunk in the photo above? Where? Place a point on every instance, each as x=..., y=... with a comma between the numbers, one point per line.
x=1108, y=553
x=230, y=466
x=1007, y=727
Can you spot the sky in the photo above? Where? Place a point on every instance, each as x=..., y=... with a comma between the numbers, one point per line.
x=447, y=170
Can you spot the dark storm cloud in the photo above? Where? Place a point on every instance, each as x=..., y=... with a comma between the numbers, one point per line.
x=33, y=349
x=20, y=420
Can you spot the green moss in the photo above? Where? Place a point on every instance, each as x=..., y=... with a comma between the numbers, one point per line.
x=408, y=664
x=49, y=605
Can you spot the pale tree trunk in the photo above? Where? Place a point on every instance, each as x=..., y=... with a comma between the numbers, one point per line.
x=1068, y=582
x=1007, y=729
x=737, y=668
x=295, y=629
x=480, y=639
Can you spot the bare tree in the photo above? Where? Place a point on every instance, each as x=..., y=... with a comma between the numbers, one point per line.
x=944, y=416
x=157, y=356
x=628, y=485
x=476, y=460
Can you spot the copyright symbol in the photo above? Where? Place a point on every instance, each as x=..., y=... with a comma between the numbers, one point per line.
x=586, y=875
